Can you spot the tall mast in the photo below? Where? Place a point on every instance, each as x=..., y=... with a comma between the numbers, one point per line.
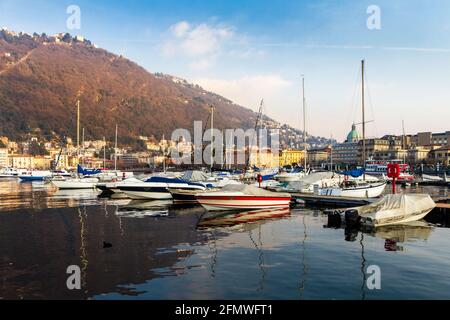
x=104, y=152
x=78, y=127
x=363, y=122
x=82, y=146
x=115, y=151
x=212, y=138
x=304, y=123
x=404, y=141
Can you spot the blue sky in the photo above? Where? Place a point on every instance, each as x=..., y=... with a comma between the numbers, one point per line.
x=248, y=50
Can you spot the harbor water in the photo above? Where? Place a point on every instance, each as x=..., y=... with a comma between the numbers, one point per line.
x=161, y=251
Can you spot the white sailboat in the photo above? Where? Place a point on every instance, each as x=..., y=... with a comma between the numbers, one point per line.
x=357, y=188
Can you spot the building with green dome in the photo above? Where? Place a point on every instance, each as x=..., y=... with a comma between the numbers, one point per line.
x=353, y=136
x=346, y=153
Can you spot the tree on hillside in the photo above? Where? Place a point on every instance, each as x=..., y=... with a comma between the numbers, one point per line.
x=37, y=149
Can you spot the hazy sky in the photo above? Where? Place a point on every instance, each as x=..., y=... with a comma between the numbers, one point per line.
x=249, y=50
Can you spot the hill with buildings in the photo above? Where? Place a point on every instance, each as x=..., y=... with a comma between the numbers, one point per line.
x=41, y=78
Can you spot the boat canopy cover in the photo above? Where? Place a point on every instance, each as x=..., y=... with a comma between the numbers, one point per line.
x=397, y=206
x=252, y=191
x=164, y=180
x=312, y=178
x=195, y=176
x=171, y=180
x=87, y=172
x=355, y=173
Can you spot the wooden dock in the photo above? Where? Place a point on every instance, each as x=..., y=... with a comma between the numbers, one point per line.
x=348, y=202
x=331, y=201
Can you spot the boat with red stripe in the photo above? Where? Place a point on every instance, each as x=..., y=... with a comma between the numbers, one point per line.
x=244, y=197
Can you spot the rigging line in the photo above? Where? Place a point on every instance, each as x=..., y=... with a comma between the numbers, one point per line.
x=369, y=96
x=355, y=96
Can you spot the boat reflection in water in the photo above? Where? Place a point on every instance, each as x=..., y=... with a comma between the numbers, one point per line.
x=401, y=233
x=393, y=234
x=227, y=219
x=142, y=209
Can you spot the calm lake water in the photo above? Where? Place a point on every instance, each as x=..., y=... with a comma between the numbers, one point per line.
x=160, y=251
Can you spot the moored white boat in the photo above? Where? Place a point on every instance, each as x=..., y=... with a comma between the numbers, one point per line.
x=75, y=183
x=429, y=178
x=36, y=175
x=289, y=176
x=157, y=188
x=240, y=197
x=395, y=209
x=8, y=172
x=356, y=189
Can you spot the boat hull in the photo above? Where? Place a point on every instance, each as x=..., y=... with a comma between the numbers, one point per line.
x=391, y=221
x=31, y=178
x=74, y=185
x=231, y=202
x=182, y=196
x=371, y=192
x=142, y=195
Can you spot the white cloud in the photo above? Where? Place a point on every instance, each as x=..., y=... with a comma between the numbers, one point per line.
x=202, y=44
x=248, y=90
x=196, y=41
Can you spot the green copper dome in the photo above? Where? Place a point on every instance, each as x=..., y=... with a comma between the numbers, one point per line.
x=353, y=136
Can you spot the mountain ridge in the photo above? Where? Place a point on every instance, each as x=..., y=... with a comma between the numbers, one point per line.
x=42, y=76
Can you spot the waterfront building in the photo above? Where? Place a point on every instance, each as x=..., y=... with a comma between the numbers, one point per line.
x=428, y=139
x=419, y=154
x=3, y=157
x=21, y=161
x=290, y=157
x=441, y=155
x=264, y=159
x=42, y=162
x=346, y=153
x=319, y=157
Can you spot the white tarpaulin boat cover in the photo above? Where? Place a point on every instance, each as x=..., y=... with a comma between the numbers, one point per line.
x=195, y=176
x=397, y=208
x=312, y=178
x=252, y=191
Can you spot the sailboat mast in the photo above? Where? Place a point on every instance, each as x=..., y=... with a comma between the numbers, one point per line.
x=115, y=150
x=304, y=124
x=82, y=146
x=212, y=138
x=363, y=121
x=104, y=152
x=404, y=141
x=78, y=127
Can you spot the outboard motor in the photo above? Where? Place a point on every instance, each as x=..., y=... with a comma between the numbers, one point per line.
x=352, y=218
x=334, y=220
